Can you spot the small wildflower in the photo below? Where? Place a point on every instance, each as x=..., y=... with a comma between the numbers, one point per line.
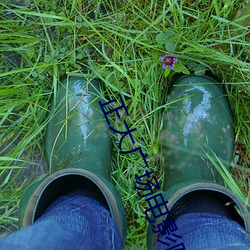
x=168, y=61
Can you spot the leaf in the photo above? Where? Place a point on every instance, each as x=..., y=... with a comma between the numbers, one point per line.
x=160, y=38
x=185, y=70
x=79, y=25
x=191, y=65
x=169, y=33
x=34, y=74
x=169, y=46
x=166, y=72
x=47, y=58
x=80, y=56
x=166, y=38
x=200, y=70
x=179, y=67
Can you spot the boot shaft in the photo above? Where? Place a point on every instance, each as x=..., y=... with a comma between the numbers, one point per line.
x=197, y=122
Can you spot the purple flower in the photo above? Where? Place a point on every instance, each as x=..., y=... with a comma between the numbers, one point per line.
x=168, y=61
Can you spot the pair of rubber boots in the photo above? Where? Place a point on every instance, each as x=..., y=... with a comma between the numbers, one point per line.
x=196, y=126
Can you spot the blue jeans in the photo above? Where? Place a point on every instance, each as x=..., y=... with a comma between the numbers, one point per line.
x=202, y=231
x=77, y=223
x=80, y=222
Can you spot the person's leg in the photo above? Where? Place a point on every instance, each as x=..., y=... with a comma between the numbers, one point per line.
x=197, y=137
x=78, y=150
x=206, y=231
x=71, y=222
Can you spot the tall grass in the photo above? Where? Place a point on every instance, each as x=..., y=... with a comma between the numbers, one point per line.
x=120, y=43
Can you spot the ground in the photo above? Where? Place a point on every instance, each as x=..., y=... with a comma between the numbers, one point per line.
x=119, y=42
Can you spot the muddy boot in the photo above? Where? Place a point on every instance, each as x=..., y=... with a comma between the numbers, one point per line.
x=77, y=147
x=197, y=130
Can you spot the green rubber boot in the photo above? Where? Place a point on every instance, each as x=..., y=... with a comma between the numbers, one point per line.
x=197, y=125
x=77, y=147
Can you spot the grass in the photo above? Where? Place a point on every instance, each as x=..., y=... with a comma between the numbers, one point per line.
x=119, y=43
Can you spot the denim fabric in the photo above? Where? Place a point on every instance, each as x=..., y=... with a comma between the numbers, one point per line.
x=203, y=231
x=77, y=223
x=82, y=223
